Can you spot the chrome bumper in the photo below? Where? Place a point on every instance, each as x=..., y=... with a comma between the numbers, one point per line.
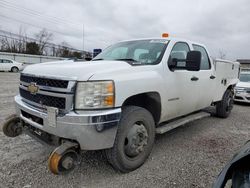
x=242, y=97
x=93, y=130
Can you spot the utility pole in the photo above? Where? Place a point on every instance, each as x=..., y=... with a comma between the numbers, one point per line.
x=83, y=40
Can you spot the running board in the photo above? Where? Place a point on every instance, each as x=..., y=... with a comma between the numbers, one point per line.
x=182, y=121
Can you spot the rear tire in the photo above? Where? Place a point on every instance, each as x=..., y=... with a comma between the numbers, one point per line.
x=14, y=69
x=225, y=106
x=134, y=140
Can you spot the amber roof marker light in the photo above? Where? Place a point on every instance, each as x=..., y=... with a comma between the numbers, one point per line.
x=165, y=35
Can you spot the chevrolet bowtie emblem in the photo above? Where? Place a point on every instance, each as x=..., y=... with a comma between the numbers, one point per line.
x=33, y=88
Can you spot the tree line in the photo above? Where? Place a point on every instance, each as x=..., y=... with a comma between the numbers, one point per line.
x=39, y=45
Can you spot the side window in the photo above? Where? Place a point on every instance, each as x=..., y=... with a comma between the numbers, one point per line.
x=205, y=63
x=6, y=61
x=179, y=52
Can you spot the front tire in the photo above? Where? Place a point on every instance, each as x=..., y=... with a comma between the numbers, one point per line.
x=14, y=69
x=134, y=140
x=225, y=106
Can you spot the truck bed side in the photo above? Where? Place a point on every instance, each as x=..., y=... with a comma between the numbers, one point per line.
x=227, y=74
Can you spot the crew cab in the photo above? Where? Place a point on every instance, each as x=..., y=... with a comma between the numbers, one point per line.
x=118, y=101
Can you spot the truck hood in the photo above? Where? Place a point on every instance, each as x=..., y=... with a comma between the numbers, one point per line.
x=81, y=71
x=243, y=84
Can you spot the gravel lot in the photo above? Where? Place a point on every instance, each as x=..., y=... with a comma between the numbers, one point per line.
x=189, y=156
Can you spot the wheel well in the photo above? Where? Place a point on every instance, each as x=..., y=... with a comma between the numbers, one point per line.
x=231, y=87
x=14, y=67
x=150, y=101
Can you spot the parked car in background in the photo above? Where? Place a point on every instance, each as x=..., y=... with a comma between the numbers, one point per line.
x=242, y=93
x=10, y=65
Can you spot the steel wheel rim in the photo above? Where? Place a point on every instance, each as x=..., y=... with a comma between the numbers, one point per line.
x=136, y=140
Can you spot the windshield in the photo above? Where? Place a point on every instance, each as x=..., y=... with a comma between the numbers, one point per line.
x=245, y=77
x=135, y=52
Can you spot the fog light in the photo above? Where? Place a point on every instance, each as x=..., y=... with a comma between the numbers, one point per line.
x=99, y=127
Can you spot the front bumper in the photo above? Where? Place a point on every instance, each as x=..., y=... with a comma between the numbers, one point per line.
x=93, y=130
x=242, y=97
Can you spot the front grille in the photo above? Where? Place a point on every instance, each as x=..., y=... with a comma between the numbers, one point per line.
x=45, y=81
x=240, y=89
x=46, y=100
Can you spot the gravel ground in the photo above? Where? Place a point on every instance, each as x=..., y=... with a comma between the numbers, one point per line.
x=189, y=156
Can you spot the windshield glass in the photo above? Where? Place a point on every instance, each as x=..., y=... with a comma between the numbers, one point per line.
x=135, y=52
x=245, y=77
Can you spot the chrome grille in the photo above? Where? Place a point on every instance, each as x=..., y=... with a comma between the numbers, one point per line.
x=58, y=102
x=45, y=81
x=53, y=92
x=240, y=89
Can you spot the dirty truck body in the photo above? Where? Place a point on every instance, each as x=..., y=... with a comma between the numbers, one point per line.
x=118, y=100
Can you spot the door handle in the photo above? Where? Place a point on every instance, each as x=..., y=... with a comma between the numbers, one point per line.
x=194, y=78
x=212, y=77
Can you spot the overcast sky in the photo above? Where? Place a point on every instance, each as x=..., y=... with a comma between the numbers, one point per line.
x=222, y=25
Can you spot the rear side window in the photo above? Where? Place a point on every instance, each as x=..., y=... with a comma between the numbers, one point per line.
x=205, y=63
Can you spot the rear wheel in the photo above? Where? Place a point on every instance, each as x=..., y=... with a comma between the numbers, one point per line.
x=225, y=106
x=134, y=140
x=14, y=69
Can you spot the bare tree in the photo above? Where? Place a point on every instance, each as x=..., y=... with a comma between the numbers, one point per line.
x=14, y=43
x=222, y=54
x=5, y=45
x=21, y=42
x=43, y=37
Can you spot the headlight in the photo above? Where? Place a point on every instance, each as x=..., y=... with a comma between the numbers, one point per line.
x=94, y=94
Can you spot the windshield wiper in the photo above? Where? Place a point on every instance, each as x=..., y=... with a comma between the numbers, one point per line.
x=130, y=59
x=126, y=59
x=97, y=59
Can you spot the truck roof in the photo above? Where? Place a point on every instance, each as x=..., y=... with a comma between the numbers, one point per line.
x=167, y=39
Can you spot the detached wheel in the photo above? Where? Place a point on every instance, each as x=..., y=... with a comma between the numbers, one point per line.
x=63, y=163
x=12, y=126
x=225, y=106
x=14, y=69
x=134, y=140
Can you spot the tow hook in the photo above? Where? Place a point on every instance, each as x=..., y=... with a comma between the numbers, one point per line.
x=12, y=126
x=64, y=158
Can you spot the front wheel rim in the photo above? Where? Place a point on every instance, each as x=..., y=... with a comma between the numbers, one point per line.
x=15, y=70
x=136, y=140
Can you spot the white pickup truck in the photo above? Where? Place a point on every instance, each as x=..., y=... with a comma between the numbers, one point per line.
x=118, y=101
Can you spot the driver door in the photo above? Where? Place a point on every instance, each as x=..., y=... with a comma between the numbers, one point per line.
x=184, y=91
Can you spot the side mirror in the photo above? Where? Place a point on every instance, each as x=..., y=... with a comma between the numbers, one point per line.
x=193, y=61
x=172, y=63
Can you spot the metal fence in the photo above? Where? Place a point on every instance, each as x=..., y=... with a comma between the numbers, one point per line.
x=29, y=59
